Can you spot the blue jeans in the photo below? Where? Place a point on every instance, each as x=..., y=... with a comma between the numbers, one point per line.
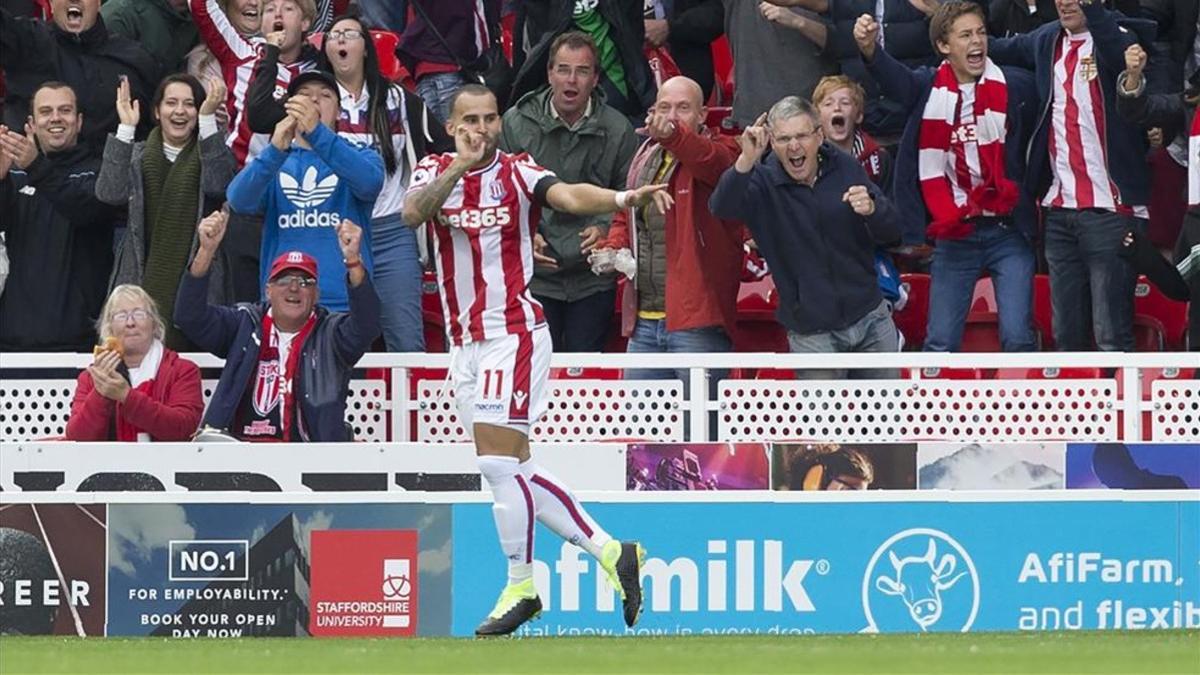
x=1091, y=283
x=386, y=14
x=397, y=280
x=875, y=332
x=652, y=336
x=436, y=90
x=1008, y=257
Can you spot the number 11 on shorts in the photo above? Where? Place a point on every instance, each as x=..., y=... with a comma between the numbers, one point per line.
x=488, y=376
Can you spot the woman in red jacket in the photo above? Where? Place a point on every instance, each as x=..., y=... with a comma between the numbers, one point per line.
x=136, y=389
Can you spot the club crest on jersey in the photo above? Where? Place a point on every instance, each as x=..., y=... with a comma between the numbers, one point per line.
x=1087, y=68
x=266, y=388
x=519, y=396
x=496, y=191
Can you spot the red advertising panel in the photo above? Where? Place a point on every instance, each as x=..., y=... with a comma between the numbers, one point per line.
x=364, y=583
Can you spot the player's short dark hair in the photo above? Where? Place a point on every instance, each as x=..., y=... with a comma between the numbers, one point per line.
x=574, y=40
x=944, y=17
x=471, y=89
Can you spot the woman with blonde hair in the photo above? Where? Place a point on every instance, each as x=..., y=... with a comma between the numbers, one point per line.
x=136, y=389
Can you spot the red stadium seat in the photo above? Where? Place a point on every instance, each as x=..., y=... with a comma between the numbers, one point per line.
x=775, y=374
x=722, y=72
x=1148, y=334
x=984, y=299
x=719, y=120
x=385, y=49
x=586, y=373
x=1171, y=314
x=981, y=333
x=913, y=318
x=947, y=373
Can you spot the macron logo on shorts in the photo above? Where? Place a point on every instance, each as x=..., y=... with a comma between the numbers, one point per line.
x=519, y=397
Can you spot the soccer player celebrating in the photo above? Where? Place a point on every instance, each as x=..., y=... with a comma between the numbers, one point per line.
x=483, y=206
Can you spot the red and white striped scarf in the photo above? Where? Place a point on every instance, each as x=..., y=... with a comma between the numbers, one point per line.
x=1194, y=161
x=996, y=194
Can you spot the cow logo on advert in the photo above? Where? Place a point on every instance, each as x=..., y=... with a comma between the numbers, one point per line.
x=920, y=579
x=364, y=582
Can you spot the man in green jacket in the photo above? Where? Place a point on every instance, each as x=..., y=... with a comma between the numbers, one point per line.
x=163, y=27
x=568, y=129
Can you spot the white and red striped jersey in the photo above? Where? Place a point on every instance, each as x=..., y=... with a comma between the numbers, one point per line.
x=483, y=243
x=1078, y=152
x=238, y=55
x=962, y=162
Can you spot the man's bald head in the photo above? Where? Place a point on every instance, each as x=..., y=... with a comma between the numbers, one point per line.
x=681, y=100
x=683, y=86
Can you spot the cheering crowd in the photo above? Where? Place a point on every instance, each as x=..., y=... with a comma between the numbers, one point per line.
x=255, y=179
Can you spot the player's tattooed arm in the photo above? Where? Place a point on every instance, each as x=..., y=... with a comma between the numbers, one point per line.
x=422, y=204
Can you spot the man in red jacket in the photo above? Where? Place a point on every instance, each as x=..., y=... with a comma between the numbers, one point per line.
x=684, y=283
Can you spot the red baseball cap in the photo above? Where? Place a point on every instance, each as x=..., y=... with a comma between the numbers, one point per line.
x=293, y=260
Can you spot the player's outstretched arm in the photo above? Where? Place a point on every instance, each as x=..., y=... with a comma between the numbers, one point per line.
x=583, y=199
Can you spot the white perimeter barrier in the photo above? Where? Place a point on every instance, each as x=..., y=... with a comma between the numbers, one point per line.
x=1145, y=399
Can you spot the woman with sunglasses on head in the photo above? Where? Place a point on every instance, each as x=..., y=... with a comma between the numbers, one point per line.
x=136, y=389
x=396, y=123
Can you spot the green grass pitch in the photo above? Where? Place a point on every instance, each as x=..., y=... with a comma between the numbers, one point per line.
x=1088, y=652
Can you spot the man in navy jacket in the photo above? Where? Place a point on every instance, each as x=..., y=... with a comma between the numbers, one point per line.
x=287, y=361
x=1086, y=167
x=817, y=219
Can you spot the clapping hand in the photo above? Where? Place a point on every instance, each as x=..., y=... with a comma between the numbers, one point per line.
x=214, y=96
x=108, y=382
x=285, y=131
x=20, y=150
x=304, y=111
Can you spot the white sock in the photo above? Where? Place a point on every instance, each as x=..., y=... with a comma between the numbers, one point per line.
x=514, y=509
x=558, y=510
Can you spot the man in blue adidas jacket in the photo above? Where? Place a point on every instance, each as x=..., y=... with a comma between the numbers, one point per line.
x=306, y=182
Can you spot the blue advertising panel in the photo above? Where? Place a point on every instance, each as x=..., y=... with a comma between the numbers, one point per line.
x=791, y=567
